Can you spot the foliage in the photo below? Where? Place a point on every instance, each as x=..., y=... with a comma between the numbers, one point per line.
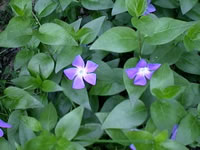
x=46, y=113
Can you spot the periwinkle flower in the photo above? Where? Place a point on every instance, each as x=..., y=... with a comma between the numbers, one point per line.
x=3, y=125
x=174, y=132
x=132, y=147
x=142, y=72
x=150, y=8
x=81, y=72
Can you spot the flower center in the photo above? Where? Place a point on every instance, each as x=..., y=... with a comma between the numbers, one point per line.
x=81, y=72
x=143, y=71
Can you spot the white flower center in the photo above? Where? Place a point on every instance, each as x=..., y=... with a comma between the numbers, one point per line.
x=81, y=72
x=143, y=71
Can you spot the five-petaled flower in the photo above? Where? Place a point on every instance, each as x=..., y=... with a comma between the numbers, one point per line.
x=174, y=132
x=3, y=125
x=150, y=8
x=142, y=72
x=81, y=72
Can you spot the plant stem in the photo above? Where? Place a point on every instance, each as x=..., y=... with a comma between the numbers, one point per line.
x=139, y=44
x=37, y=20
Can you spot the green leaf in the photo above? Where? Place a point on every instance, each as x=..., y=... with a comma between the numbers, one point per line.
x=134, y=91
x=27, y=82
x=161, y=137
x=192, y=38
x=65, y=3
x=189, y=98
x=87, y=132
x=32, y=123
x=111, y=102
x=95, y=26
x=19, y=99
x=167, y=4
x=126, y=115
x=169, y=92
x=13, y=133
x=117, y=39
x=187, y=5
x=45, y=8
x=136, y=8
x=54, y=34
x=69, y=125
x=105, y=88
x=66, y=56
x=4, y=144
x=45, y=141
x=189, y=62
x=78, y=96
x=171, y=109
x=172, y=145
x=143, y=140
x=162, y=78
x=48, y=117
x=17, y=34
x=41, y=64
x=22, y=58
x=22, y=7
x=97, y=4
x=50, y=86
x=188, y=130
x=119, y=7
x=160, y=31
x=165, y=54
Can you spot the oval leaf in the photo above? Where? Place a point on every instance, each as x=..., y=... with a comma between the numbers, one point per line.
x=117, y=39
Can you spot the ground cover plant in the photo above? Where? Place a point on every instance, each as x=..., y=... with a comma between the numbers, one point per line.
x=99, y=75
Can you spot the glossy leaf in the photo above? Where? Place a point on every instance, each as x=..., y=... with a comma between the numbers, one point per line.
x=69, y=125
x=50, y=86
x=78, y=96
x=18, y=33
x=53, y=34
x=19, y=99
x=97, y=4
x=171, y=109
x=133, y=114
x=48, y=117
x=41, y=64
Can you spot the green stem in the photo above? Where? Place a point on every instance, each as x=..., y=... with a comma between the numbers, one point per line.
x=139, y=44
x=37, y=20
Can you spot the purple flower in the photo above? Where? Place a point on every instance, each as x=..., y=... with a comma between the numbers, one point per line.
x=81, y=72
x=132, y=147
x=3, y=125
x=142, y=72
x=174, y=132
x=150, y=8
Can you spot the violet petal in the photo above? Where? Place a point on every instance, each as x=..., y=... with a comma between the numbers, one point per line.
x=78, y=83
x=142, y=63
x=153, y=67
x=174, y=132
x=91, y=66
x=4, y=124
x=131, y=72
x=149, y=75
x=78, y=62
x=90, y=78
x=132, y=147
x=151, y=8
x=70, y=73
x=1, y=133
x=140, y=80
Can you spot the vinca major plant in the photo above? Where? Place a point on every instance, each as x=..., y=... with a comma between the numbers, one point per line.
x=100, y=75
